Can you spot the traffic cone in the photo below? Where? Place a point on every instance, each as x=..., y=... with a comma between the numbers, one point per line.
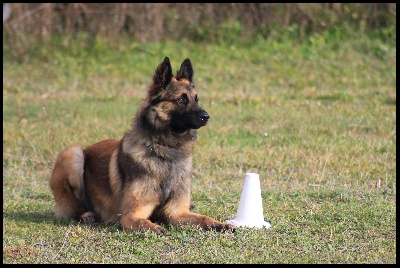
x=250, y=211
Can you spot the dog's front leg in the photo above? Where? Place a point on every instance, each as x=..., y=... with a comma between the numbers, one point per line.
x=198, y=220
x=136, y=219
x=178, y=213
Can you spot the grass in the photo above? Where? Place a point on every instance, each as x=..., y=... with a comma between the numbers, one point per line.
x=316, y=120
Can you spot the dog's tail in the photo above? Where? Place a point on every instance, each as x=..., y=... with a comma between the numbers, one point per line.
x=66, y=183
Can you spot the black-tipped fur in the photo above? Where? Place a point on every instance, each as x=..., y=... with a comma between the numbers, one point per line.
x=143, y=179
x=186, y=71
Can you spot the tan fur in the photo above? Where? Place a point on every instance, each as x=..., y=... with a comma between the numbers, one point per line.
x=143, y=179
x=68, y=183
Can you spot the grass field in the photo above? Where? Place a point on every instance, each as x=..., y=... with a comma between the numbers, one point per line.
x=316, y=120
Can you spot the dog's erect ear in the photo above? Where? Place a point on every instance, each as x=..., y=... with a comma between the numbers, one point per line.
x=163, y=74
x=186, y=71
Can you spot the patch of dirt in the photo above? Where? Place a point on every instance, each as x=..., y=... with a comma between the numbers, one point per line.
x=18, y=250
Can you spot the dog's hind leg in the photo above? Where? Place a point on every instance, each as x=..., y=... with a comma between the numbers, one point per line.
x=66, y=183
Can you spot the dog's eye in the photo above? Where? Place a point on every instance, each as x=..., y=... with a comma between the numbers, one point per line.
x=183, y=99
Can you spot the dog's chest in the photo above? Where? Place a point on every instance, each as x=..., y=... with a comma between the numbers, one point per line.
x=175, y=180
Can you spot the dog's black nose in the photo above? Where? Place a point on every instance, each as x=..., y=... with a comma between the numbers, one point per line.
x=204, y=116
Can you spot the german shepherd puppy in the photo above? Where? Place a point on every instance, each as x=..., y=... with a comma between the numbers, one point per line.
x=143, y=179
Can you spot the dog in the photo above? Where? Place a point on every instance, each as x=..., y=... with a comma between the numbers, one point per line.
x=143, y=179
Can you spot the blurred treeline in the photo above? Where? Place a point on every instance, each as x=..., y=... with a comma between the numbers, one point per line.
x=29, y=23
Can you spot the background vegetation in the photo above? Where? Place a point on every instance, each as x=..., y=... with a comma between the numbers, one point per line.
x=31, y=25
x=310, y=107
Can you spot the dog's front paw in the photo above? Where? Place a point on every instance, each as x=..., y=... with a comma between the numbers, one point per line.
x=141, y=225
x=158, y=230
x=223, y=227
x=152, y=227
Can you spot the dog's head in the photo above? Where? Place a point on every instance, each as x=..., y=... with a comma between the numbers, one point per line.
x=172, y=101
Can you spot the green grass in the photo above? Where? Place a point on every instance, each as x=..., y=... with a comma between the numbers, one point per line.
x=316, y=120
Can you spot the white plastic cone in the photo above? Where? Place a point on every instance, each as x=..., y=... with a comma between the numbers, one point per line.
x=250, y=210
